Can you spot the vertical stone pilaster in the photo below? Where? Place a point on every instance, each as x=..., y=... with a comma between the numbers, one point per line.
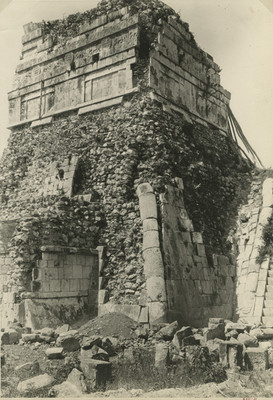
x=153, y=262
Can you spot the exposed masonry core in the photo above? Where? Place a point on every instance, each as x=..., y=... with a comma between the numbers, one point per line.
x=121, y=185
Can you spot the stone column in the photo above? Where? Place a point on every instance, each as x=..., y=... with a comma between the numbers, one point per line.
x=153, y=262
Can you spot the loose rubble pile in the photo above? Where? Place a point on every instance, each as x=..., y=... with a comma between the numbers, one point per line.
x=74, y=362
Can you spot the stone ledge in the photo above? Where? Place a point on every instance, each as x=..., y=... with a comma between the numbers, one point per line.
x=69, y=250
x=40, y=122
x=57, y=295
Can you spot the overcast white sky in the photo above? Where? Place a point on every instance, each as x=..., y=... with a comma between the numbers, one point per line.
x=237, y=33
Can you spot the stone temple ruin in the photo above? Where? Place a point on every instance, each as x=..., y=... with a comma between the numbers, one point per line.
x=123, y=187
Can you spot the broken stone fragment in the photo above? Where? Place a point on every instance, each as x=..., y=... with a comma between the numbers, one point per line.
x=262, y=333
x=35, y=383
x=96, y=353
x=168, y=331
x=218, y=331
x=28, y=370
x=180, y=335
x=70, y=341
x=88, y=342
x=248, y=340
x=30, y=337
x=62, y=329
x=47, y=332
x=162, y=356
x=239, y=327
x=111, y=345
x=142, y=332
x=54, y=353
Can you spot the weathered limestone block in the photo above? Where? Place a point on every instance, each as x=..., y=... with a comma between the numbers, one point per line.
x=150, y=224
x=162, y=357
x=156, y=290
x=157, y=312
x=96, y=372
x=37, y=382
x=168, y=331
x=27, y=370
x=55, y=353
x=248, y=340
x=265, y=215
x=153, y=263
x=268, y=193
x=231, y=354
x=150, y=240
x=147, y=206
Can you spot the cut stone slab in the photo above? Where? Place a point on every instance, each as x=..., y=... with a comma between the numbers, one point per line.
x=256, y=359
x=240, y=328
x=168, y=332
x=96, y=372
x=27, y=370
x=54, y=353
x=37, y=382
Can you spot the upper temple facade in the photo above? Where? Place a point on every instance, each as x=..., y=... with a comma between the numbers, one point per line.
x=110, y=56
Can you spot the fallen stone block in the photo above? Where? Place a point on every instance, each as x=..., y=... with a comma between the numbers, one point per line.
x=4, y=338
x=168, y=331
x=217, y=331
x=96, y=372
x=54, y=353
x=256, y=359
x=30, y=337
x=111, y=345
x=162, y=356
x=11, y=336
x=262, y=333
x=88, y=342
x=77, y=379
x=96, y=353
x=62, y=329
x=48, y=332
x=35, y=383
x=231, y=334
x=180, y=335
x=248, y=340
x=27, y=370
x=70, y=341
